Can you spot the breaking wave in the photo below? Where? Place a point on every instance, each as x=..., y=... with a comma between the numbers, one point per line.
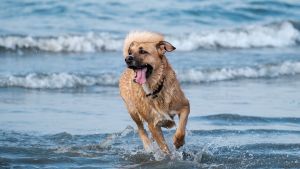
x=262, y=71
x=57, y=80
x=191, y=76
x=283, y=34
x=274, y=35
x=90, y=42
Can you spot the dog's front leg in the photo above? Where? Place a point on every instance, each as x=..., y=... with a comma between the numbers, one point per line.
x=159, y=138
x=142, y=132
x=178, y=138
x=143, y=135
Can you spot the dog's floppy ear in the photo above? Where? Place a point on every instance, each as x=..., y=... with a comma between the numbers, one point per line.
x=164, y=46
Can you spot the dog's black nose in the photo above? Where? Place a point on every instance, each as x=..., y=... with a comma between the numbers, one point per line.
x=129, y=59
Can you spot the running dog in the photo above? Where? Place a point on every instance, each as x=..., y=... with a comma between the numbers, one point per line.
x=150, y=89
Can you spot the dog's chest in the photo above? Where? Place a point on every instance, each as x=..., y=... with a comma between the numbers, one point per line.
x=163, y=118
x=161, y=112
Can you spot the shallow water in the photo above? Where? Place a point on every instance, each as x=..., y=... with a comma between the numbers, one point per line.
x=204, y=149
x=238, y=63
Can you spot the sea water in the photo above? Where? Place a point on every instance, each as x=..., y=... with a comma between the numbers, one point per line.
x=238, y=63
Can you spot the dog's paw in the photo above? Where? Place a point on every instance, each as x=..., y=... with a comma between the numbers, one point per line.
x=166, y=123
x=178, y=140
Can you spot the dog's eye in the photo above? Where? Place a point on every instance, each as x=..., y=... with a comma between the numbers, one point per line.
x=143, y=51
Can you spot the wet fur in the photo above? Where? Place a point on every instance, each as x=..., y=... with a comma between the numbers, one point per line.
x=170, y=101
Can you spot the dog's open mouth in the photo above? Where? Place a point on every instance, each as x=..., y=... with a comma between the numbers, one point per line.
x=142, y=73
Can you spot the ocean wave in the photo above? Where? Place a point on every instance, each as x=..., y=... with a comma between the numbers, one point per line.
x=57, y=80
x=282, y=34
x=276, y=35
x=191, y=76
x=262, y=71
x=235, y=119
x=91, y=42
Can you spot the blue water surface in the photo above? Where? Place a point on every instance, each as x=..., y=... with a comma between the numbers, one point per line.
x=238, y=63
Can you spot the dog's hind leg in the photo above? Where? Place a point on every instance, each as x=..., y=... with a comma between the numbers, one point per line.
x=142, y=132
x=178, y=138
x=159, y=138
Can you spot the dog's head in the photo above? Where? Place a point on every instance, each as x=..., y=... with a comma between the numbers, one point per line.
x=144, y=53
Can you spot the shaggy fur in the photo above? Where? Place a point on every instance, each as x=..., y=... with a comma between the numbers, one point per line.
x=157, y=111
x=140, y=37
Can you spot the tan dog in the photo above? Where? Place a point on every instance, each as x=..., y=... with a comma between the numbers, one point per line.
x=150, y=89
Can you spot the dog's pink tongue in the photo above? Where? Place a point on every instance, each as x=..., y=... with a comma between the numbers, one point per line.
x=141, y=76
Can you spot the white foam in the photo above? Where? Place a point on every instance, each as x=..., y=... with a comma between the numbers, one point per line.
x=69, y=80
x=256, y=36
x=282, y=34
x=263, y=71
x=56, y=80
x=90, y=42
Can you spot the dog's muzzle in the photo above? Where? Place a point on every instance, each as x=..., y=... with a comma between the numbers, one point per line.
x=133, y=63
x=142, y=71
x=130, y=61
